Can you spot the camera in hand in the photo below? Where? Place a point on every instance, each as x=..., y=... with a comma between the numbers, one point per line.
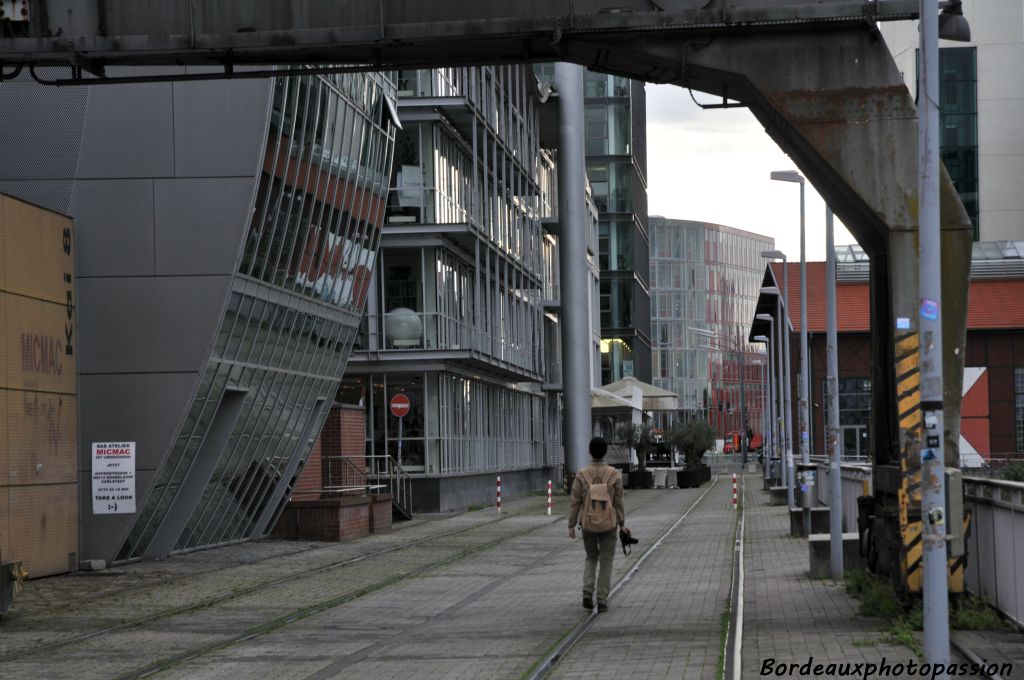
x=626, y=538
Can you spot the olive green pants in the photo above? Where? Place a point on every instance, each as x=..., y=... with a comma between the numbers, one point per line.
x=600, y=549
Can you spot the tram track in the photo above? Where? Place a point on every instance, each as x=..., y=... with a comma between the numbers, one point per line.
x=344, y=596
x=546, y=664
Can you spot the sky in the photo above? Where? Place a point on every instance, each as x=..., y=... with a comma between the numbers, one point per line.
x=714, y=166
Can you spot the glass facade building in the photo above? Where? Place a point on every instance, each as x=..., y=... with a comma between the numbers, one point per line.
x=705, y=284
x=227, y=231
x=616, y=152
x=979, y=109
x=456, y=307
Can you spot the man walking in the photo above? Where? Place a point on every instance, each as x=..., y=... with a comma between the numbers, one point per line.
x=598, y=509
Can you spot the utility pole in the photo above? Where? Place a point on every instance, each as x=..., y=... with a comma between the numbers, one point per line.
x=835, y=503
x=933, y=460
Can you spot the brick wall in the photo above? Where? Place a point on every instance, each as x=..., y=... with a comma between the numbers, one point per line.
x=308, y=485
x=341, y=518
x=343, y=435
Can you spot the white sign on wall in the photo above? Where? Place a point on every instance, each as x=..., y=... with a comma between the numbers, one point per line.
x=113, y=477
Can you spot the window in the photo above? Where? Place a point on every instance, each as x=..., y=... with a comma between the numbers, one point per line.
x=958, y=123
x=854, y=415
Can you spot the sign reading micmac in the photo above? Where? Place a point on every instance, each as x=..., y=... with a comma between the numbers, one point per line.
x=113, y=477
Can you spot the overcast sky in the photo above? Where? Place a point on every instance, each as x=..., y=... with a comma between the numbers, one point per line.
x=713, y=166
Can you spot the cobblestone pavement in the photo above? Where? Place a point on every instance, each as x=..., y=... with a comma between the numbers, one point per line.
x=472, y=595
x=434, y=598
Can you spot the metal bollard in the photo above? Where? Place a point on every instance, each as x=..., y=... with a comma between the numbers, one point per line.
x=549, y=496
x=499, y=495
x=734, y=506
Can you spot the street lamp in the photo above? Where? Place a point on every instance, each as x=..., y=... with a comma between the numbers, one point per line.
x=770, y=429
x=805, y=439
x=832, y=447
x=782, y=304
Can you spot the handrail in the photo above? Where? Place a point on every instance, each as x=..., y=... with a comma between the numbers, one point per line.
x=1010, y=484
x=364, y=475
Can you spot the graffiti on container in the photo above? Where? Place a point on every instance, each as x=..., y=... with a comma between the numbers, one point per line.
x=41, y=355
x=45, y=416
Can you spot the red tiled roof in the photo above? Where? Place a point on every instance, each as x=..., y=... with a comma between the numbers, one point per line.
x=991, y=304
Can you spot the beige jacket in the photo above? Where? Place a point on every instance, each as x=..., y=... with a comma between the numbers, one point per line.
x=597, y=470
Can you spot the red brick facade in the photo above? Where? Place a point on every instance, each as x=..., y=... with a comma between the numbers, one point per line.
x=329, y=502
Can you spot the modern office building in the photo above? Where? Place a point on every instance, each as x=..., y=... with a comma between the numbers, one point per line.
x=706, y=279
x=981, y=98
x=225, y=237
x=456, y=316
x=616, y=150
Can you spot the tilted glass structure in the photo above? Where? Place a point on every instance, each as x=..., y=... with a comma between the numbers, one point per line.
x=228, y=234
x=294, y=305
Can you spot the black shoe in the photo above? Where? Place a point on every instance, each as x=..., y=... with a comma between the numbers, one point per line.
x=602, y=606
x=588, y=602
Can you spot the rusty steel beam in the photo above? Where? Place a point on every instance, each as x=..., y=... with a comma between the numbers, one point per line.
x=387, y=33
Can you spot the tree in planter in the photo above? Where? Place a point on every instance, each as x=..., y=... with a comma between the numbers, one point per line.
x=641, y=438
x=692, y=439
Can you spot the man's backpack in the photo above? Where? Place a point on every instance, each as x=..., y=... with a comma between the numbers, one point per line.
x=598, y=513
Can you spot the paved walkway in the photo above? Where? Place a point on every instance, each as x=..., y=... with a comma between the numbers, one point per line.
x=665, y=622
x=791, y=619
x=474, y=595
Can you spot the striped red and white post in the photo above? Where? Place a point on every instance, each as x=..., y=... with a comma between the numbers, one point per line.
x=499, y=494
x=734, y=507
x=549, y=496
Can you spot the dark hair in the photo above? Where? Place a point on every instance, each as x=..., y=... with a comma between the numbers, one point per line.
x=598, y=447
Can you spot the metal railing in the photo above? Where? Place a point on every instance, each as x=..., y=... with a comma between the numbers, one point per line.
x=364, y=475
x=854, y=477
x=995, y=543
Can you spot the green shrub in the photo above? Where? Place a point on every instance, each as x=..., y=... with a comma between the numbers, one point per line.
x=974, y=613
x=856, y=581
x=1014, y=472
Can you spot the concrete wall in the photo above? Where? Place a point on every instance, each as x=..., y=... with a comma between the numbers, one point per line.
x=455, y=493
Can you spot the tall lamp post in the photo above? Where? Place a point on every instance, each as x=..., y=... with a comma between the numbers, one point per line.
x=950, y=25
x=804, y=392
x=835, y=502
x=769, y=430
x=782, y=305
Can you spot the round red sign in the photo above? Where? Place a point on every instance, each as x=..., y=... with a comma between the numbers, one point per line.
x=399, y=405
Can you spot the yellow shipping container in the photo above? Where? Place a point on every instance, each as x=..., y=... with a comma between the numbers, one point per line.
x=44, y=528
x=36, y=252
x=38, y=386
x=39, y=357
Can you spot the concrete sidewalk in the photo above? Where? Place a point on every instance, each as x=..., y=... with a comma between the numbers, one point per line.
x=665, y=622
x=791, y=619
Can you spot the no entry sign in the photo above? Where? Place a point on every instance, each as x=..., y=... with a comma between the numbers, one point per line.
x=399, y=405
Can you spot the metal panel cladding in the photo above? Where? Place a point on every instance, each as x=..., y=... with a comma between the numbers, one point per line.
x=284, y=339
